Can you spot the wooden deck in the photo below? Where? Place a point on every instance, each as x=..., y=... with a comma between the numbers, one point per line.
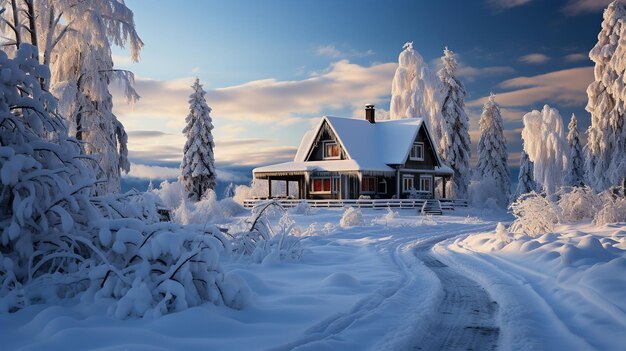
x=446, y=204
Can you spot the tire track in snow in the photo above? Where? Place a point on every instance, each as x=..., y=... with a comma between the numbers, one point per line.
x=369, y=305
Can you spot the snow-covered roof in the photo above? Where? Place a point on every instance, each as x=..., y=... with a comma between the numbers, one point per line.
x=369, y=146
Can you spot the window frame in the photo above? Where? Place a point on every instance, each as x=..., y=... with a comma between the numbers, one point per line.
x=335, y=185
x=430, y=182
x=405, y=177
x=384, y=182
x=330, y=142
x=417, y=145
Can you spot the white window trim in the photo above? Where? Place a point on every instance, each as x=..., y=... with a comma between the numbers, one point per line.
x=408, y=176
x=324, y=143
x=375, y=185
x=429, y=177
x=412, y=148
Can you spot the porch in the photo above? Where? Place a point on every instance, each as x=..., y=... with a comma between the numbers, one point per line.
x=446, y=204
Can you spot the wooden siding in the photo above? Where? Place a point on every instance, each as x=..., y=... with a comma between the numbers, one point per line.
x=430, y=160
x=317, y=152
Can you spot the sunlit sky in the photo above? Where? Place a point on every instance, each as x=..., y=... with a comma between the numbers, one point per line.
x=271, y=68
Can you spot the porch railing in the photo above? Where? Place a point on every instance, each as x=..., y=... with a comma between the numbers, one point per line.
x=446, y=204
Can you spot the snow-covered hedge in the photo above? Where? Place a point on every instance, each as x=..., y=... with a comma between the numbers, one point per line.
x=59, y=241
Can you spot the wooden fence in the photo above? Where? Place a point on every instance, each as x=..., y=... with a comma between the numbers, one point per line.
x=446, y=204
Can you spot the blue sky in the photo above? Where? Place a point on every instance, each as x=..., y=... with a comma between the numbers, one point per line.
x=272, y=67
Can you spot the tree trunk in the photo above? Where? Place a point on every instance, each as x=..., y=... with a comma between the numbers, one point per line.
x=16, y=24
x=31, y=22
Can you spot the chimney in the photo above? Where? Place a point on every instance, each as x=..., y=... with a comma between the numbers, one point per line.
x=370, y=113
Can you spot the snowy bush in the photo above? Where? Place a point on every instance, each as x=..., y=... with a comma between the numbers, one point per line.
x=352, y=217
x=502, y=234
x=485, y=193
x=261, y=240
x=258, y=188
x=578, y=203
x=534, y=214
x=386, y=218
x=59, y=241
x=613, y=208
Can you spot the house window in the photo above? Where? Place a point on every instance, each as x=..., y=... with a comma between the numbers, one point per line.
x=368, y=185
x=417, y=152
x=426, y=183
x=407, y=183
x=382, y=186
x=325, y=185
x=331, y=150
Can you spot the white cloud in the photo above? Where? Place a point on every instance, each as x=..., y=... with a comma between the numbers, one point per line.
x=152, y=172
x=332, y=51
x=576, y=7
x=506, y=4
x=535, y=58
x=471, y=73
x=577, y=57
x=567, y=87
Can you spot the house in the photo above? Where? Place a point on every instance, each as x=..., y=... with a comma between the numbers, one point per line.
x=346, y=158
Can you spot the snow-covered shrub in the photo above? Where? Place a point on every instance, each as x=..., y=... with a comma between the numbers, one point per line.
x=257, y=237
x=352, y=217
x=230, y=208
x=258, y=188
x=577, y=203
x=485, y=193
x=58, y=240
x=534, y=214
x=502, y=234
x=206, y=210
x=613, y=208
x=365, y=197
x=170, y=193
x=389, y=216
x=302, y=208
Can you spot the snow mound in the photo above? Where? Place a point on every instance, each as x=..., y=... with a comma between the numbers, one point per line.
x=341, y=280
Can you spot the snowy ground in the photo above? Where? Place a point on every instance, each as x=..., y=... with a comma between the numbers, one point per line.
x=379, y=286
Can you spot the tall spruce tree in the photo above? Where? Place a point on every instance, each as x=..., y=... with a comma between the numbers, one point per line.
x=198, y=166
x=575, y=173
x=525, y=180
x=605, y=152
x=492, y=154
x=454, y=144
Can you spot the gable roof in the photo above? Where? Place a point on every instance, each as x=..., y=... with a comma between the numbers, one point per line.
x=369, y=146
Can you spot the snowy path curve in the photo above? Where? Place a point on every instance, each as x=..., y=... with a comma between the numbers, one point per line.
x=465, y=317
x=403, y=252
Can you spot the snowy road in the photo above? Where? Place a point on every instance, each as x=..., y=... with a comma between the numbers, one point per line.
x=465, y=317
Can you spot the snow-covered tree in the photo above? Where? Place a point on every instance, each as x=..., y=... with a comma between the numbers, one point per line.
x=74, y=39
x=545, y=144
x=454, y=144
x=575, y=173
x=198, y=166
x=492, y=154
x=229, y=191
x=525, y=180
x=416, y=91
x=59, y=241
x=605, y=152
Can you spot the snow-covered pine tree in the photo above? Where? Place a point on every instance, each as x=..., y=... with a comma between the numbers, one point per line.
x=575, y=173
x=416, y=91
x=605, y=152
x=545, y=144
x=198, y=166
x=492, y=154
x=74, y=40
x=229, y=191
x=454, y=144
x=525, y=179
